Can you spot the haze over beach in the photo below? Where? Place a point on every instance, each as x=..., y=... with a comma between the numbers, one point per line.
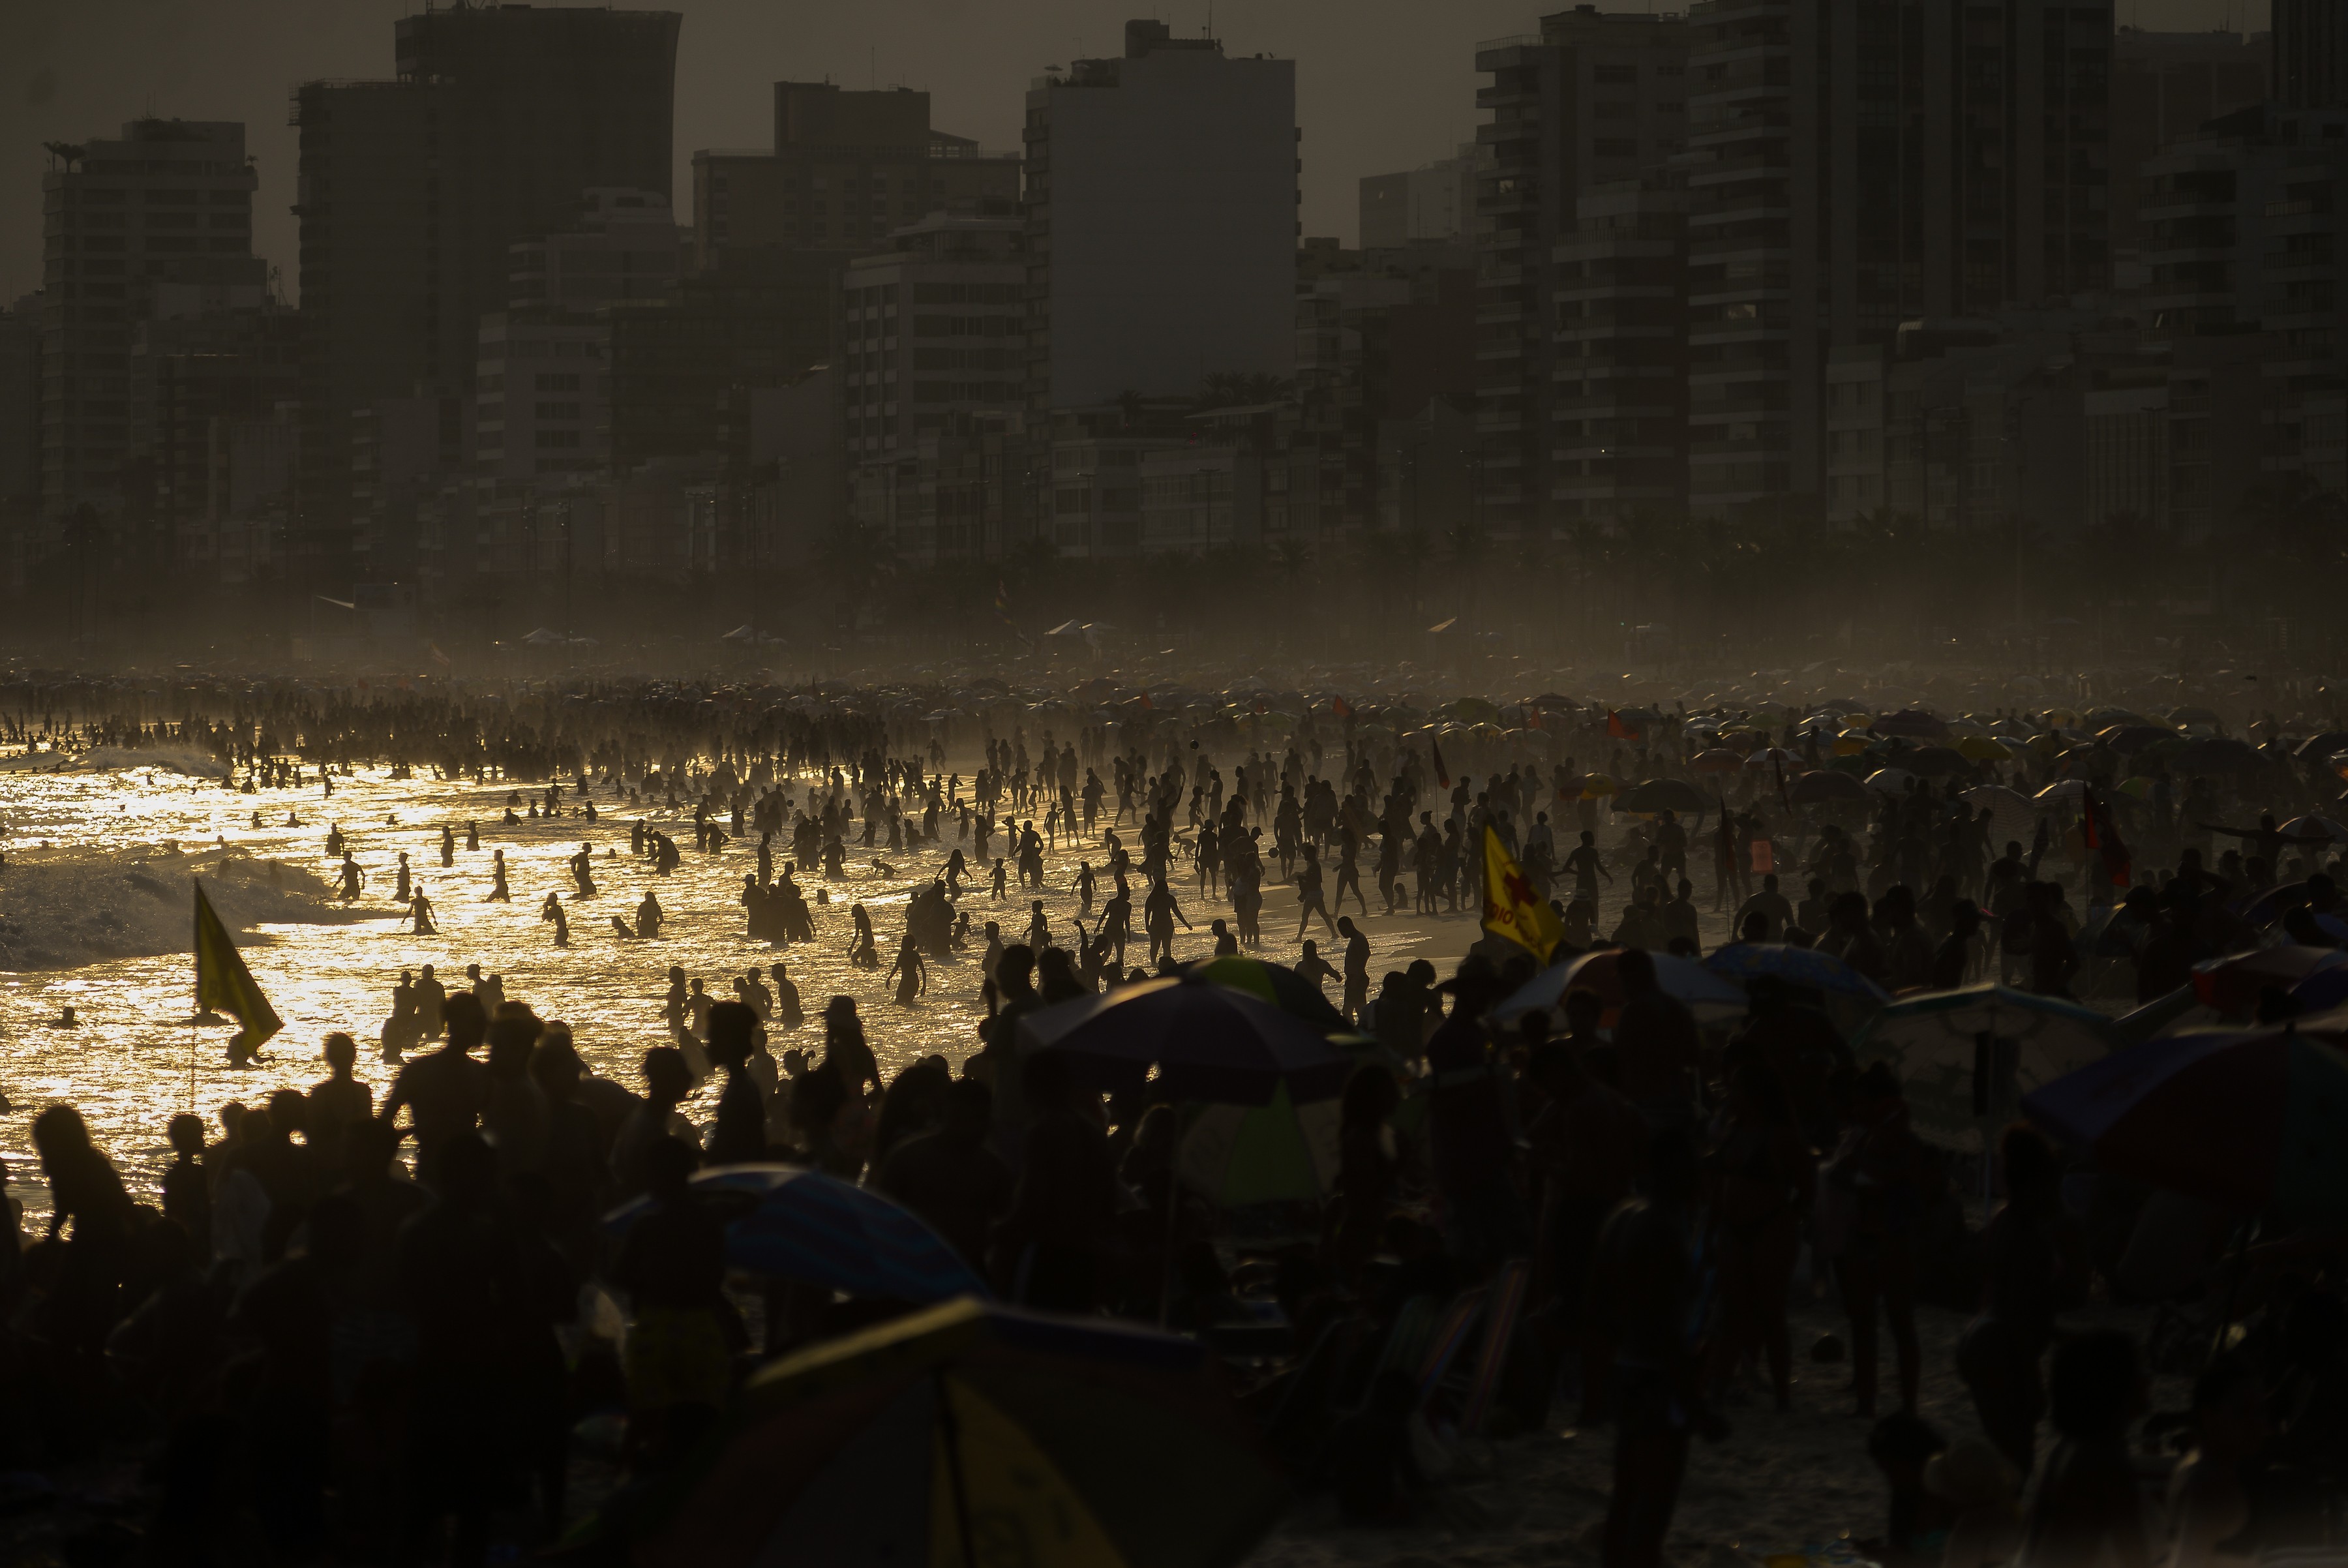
x=1292, y=785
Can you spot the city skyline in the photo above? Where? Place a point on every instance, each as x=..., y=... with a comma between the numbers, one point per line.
x=1381, y=86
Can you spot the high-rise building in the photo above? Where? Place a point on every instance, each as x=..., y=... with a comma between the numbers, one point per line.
x=621, y=244
x=935, y=326
x=680, y=367
x=1620, y=436
x=196, y=381
x=2311, y=53
x=848, y=168
x=20, y=412
x=2165, y=87
x=533, y=105
x=934, y=349
x=369, y=216
x=1162, y=189
x=1592, y=98
x=415, y=191
x=1856, y=163
x=542, y=394
x=1433, y=203
x=157, y=221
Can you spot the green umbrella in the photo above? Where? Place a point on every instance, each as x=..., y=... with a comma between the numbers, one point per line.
x=1277, y=984
x=969, y=1434
x=1234, y=1155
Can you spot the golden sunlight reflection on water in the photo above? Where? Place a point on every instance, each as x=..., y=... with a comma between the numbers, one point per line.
x=127, y=1066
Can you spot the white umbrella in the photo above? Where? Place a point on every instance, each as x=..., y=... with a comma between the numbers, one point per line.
x=1965, y=1058
x=1710, y=997
x=1890, y=781
x=2009, y=816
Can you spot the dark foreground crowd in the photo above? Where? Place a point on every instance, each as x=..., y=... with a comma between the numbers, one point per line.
x=323, y=1358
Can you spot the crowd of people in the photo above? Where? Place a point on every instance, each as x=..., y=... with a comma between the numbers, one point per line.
x=397, y=1313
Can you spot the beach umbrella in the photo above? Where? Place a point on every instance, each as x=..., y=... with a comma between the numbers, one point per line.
x=2231, y=983
x=1935, y=761
x=2215, y=754
x=2187, y=718
x=1911, y=722
x=1825, y=788
x=788, y=1221
x=1278, y=1152
x=1207, y=1041
x=2313, y=830
x=971, y=1433
x=1772, y=759
x=1662, y=794
x=1890, y=781
x=1708, y=996
x=2327, y=744
x=1598, y=787
x=2062, y=792
x=2247, y=1120
x=1277, y=984
x=1964, y=1058
x=2011, y=816
x=2128, y=739
x=2109, y=717
x=1984, y=749
x=1802, y=966
x=1717, y=760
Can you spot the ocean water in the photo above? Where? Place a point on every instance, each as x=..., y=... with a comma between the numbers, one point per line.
x=96, y=913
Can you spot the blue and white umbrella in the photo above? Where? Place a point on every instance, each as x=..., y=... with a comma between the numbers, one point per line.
x=1964, y=1058
x=788, y=1221
x=1806, y=966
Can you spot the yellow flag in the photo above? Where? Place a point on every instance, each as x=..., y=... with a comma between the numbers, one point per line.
x=223, y=982
x=1511, y=908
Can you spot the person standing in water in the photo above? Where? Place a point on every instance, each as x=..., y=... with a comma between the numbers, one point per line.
x=419, y=910
x=401, y=893
x=354, y=879
x=498, y=892
x=909, y=971
x=552, y=910
x=582, y=871
x=448, y=845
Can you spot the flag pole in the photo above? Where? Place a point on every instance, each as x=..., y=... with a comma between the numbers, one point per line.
x=196, y=1010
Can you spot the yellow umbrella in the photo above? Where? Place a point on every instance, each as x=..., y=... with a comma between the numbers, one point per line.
x=1981, y=748
x=1851, y=743
x=1597, y=786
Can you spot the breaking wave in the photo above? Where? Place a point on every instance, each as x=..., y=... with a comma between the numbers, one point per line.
x=184, y=760
x=64, y=909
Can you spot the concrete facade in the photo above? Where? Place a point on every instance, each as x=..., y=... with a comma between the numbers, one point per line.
x=1162, y=189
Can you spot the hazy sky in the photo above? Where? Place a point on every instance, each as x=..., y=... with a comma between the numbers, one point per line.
x=1381, y=84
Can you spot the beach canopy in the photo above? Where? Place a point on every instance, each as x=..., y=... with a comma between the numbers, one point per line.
x=971, y=1433
x=1705, y=994
x=2246, y=1120
x=788, y=1221
x=1207, y=1042
x=1235, y=1155
x=1965, y=1058
x=1802, y=966
x=1662, y=794
x=1827, y=788
x=1276, y=983
x=2231, y=983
